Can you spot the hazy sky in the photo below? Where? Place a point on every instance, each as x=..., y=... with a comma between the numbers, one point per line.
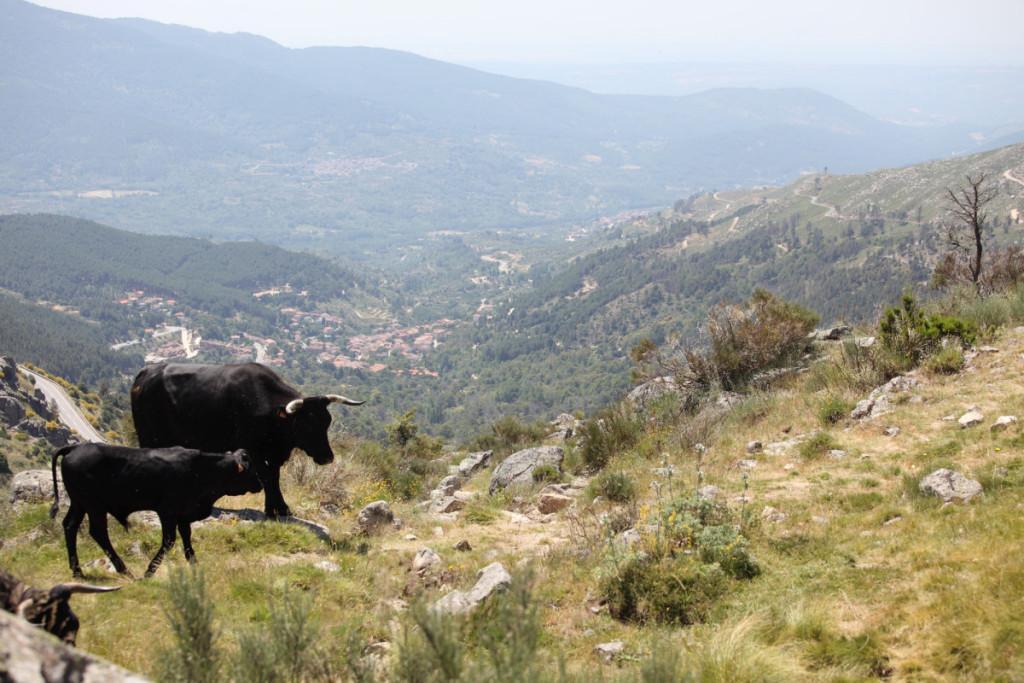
x=610, y=31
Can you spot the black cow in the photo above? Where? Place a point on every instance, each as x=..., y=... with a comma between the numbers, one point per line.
x=222, y=407
x=50, y=610
x=179, y=484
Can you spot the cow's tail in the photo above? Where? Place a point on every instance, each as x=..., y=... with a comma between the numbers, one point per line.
x=53, y=469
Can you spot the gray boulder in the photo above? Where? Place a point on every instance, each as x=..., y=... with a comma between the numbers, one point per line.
x=949, y=485
x=518, y=467
x=33, y=487
x=490, y=579
x=374, y=516
x=449, y=485
x=473, y=462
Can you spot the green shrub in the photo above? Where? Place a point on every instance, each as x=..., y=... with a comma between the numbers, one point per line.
x=546, y=474
x=833, y=409
x=509, y=434
x=194, y=656
x=947, y=360
x=762, y=333
x=285, y=648
x=675, y=591
x=817, y=446
x=907, y=334
x=617, y=487
x=610, y=432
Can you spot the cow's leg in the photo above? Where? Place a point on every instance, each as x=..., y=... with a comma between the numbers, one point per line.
x=72, y=522
x=185, y=530
x=167, y=527
x=98, y=531
x=274, y=505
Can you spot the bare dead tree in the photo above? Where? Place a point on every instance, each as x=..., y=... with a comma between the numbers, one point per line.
x=966, y=231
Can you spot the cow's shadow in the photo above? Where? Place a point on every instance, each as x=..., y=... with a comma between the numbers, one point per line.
x=250, y=515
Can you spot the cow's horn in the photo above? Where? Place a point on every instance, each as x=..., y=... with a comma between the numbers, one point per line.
x=337, y=398
x=293, y=405
x=86, y=588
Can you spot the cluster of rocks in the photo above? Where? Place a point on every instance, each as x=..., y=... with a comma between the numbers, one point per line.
x=881, y=399
x=17, y=408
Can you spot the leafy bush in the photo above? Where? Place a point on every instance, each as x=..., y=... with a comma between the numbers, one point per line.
x=833, y=409
x=908, y=333
x=607, y=434
x=948, y=360
x=546, y=474
x=617, y=487
x=817, y=446
x=762, y=333
x=670, y=591
x=680, y=567
x=509, y=434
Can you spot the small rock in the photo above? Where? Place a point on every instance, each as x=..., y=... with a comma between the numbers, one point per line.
x=1002, y=423
x=892, y=431
x=628, y=538
x=327, y=566
x=789, y=466
x=449, y=485
x=894, y=520
x=490, y=579
x=438, y=531
x=608, y=651
x=773, y=514
x=754, y=447
x=374, y=516
x=549, y=503
x=462, y=545
x=970, y=419
x=747, y=464
x=445, y=505
x=410, y=537
x=988, y=349
x=103, y=564
x=1002, y=471
x=836, y=453
x=709, y=492
x=425, y=558
x=818, y=519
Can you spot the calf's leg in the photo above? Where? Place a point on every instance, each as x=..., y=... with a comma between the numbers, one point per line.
x=98, y=531
x=167, y=528
x=72, y=521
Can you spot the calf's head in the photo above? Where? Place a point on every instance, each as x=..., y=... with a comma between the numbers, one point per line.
x=242, y=477
x=307, y=420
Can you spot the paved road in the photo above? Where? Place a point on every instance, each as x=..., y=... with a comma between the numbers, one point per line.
x=69, y=413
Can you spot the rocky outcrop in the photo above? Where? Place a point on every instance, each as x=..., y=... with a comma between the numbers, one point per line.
x=518, y=467
x=474, y=462
x=648, y=392
x=376, y=516
x=15, y=405
x=33, y=487
x=28, y=653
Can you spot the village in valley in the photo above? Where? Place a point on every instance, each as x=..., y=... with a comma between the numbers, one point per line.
x=315, y=333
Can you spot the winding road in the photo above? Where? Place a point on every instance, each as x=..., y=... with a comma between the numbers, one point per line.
x=68, y=412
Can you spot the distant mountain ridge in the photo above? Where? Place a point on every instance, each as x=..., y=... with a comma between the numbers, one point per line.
x=350, y=149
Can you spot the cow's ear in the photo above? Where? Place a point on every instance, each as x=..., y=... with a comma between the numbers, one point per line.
x=281, y=413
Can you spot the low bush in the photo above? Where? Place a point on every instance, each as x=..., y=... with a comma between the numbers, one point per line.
x=617, y=487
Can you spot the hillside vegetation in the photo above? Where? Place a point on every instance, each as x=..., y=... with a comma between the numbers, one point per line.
x=818, y=557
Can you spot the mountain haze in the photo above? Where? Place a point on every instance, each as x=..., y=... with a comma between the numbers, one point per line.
x=159, y=128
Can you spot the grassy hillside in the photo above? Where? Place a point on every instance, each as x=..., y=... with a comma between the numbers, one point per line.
x=842, y=569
